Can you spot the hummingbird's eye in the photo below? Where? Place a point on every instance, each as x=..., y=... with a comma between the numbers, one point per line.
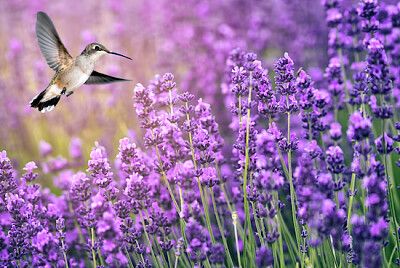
x=97, y=48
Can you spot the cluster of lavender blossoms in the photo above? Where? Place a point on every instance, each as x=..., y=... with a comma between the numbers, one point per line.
x=305, y=175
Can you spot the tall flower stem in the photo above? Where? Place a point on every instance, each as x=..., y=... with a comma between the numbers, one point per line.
x=221, y=229
x=202, y=194
x=280, y=242
x=165, y=176
x=156, y=241
x=93, y=251
x=352, y=187
x=285, y=169
x=155, y=260
x=231, y=207
x=129, y=258
x=292, y=192
x=65, y=255
x=343, y=70
x=234, y=220
x=245, y=171
x=390, y=192
x=258, y=224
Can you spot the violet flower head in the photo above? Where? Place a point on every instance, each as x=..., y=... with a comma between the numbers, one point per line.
x=368, y=9
x=217, y=254
x=383, y=111
x=359, y=127
x=81, y=188
x=264, y=257
x=285, y=81
x=384, y=145
x=7, y=181
x=335, y=159
x=45, y=148
x=138, y=189
x=377, y=68
x=29, y=176
x=313, y=150
x=333, y=17
x=168, y=84
x=209, y=177
x=75, y=148
x=264, y=87
x=131, y=161
x=144, y=101
x=100, y=168
x=198, y=243
x=335, y=131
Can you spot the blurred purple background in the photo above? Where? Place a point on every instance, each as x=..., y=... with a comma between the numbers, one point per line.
x=189, y=38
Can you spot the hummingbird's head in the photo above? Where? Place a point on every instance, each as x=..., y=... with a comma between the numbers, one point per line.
x=95, y=50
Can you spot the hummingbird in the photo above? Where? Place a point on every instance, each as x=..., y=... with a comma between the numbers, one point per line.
x=71, y=72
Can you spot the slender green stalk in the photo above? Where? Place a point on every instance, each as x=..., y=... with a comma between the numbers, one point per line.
x=65, y=255
x=343, y=70
x=280, y=242
x=129, y=258
x=240, y=112
x=234, y=218
x=100, y=257
x=93, y=251
x=390, y=192
x=245, y=171
x=148, y=240
x=292, y=192
x=352, y=186
x=221, y=229
x=176, y=261
x=203, y=201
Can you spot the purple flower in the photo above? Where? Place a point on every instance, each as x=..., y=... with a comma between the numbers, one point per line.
x=285, y=81
x=209, y=177
x=100, y=168
x=368, y=8
x=335, y=131
x=217, y=254
x=359, y=127
x=385, y=145
x=137, y=189
x=335, y=159
x=333, y=17
x=30, y=176
x=45, y=148
x=75, y=148
x=198, y=243
x=264, y=257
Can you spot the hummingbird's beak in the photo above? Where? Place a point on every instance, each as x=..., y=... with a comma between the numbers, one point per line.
x=115, y=53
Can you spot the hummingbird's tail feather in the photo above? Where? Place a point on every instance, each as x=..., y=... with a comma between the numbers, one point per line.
x=46, y=100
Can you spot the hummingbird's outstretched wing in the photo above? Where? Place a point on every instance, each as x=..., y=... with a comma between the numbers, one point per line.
x=50, y=43
x=99, y=78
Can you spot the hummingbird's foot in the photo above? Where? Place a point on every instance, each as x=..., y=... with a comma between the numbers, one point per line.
x=63, y=91
x=69, y=93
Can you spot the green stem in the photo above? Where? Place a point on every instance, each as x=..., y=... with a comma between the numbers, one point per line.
x=93, y=251
x=291, y=186
x=280, y=242
x=352, y=186
x=246, y=203
x=221, y=229
x=148, y=240
x=65, y=255
x=129, y=258
x=234, y=218
x=205, y=205
x=240, y=111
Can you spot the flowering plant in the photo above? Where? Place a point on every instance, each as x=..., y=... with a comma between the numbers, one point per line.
x=304, y=175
